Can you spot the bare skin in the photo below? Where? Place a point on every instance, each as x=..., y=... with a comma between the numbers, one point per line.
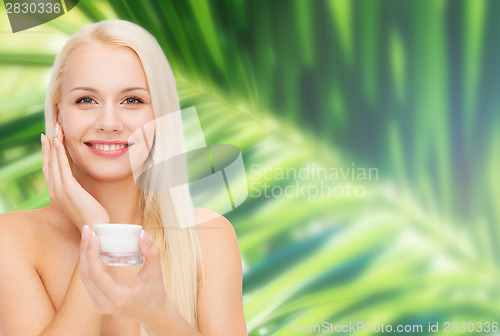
x=51, y=280
x=52, y=235
x=48, y=245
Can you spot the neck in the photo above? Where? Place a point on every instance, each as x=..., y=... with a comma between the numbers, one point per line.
x=119, y=198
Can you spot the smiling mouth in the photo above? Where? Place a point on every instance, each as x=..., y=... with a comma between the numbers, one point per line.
x=108, y=148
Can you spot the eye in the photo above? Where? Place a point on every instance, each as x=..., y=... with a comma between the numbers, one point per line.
x=85, y=100
x=132, y=100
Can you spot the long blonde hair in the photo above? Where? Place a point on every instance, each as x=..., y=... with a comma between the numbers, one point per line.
x=172, y=209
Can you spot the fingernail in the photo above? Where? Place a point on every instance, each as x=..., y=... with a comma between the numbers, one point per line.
x=57, y=130
x=41, y=137
x=145, y=237
x=85, y=232
x=91, y=241
x=56, y=142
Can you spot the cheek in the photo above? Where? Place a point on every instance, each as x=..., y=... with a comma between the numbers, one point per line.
x=149, y=126
x=142, y=118
x=72, y=117
x=74, y=127
x=142, y=137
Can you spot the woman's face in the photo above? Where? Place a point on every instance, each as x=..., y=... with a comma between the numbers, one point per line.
x=105, y=98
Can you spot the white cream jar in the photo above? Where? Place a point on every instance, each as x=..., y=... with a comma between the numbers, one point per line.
x=119, y=244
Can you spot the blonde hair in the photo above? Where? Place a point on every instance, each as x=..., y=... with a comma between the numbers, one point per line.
x=171, y=209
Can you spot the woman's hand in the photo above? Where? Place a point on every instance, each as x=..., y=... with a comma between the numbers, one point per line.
x=145, y=298
x=64, y=189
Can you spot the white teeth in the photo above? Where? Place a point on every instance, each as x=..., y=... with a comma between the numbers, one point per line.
x=108, y=147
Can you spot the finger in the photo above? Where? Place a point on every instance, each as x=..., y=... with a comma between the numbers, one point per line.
x=99, y=298
x=92, y=254
x=64, y=167
x=152, y=258
x=45, y=155
x=53, y=168
x=87, y=235
x=83, y=248
x=84, y=268
x=98, y=275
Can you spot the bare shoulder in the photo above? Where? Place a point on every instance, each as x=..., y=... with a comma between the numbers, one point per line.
x=18, y=230
x=205, y=218
x=220, y=288
x=215, y=232
x=23, y=237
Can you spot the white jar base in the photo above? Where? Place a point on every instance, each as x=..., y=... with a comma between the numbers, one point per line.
x=121, y=259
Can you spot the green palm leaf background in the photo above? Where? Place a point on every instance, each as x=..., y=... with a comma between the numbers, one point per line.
x=406, y=88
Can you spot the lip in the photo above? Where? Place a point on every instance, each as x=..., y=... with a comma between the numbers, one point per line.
x=108, y=153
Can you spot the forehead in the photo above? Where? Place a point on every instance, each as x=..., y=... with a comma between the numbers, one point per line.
x=103, y=67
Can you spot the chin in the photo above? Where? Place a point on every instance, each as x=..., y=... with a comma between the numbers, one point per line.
x=110, y=173
x=111, y=177
x=106, y=173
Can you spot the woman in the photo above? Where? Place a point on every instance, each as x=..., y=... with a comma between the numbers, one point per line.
x=110, y=79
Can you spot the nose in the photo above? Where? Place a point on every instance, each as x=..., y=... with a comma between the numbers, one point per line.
x=109, y=119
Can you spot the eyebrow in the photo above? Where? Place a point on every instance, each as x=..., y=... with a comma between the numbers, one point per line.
x=84, y=88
